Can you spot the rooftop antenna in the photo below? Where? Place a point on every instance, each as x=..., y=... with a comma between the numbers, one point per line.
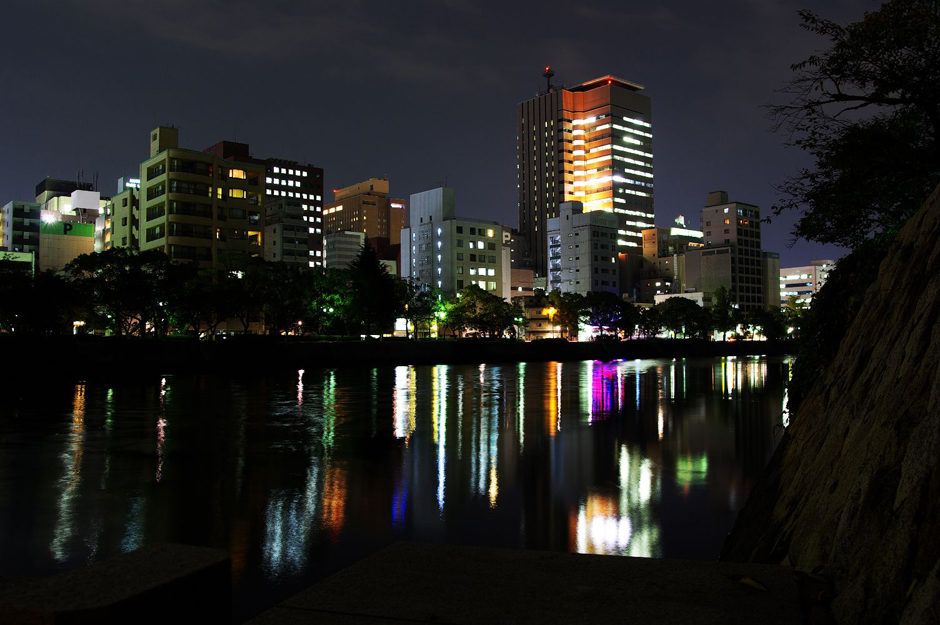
x=548, y=78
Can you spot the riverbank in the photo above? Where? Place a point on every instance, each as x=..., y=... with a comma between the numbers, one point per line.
x=93, y=355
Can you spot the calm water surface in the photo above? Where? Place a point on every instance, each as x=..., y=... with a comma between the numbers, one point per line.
x=299, y=474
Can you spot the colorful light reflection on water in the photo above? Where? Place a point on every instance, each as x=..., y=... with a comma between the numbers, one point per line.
x=297, y=474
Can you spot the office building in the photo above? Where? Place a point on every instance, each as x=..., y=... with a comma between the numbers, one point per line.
x=442, y=250
x=665, y=249
x=62, y=241
x=66, y=220
x=366, y=207
x=123, y=215
x=590, y=143
x=582, y=251
x=804, y=282
x=76, y=203
x=342, y=248
x=293, y=205
x=50, y=188
x=732, y=255
x=770, y=283
x=19, y=227
x=198, y=206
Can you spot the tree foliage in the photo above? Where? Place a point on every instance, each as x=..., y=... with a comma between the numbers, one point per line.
x=419, y=306
x=867, y=110
x=683, y=317
x=650, y=321
x=374, y=301
x=604, y=310
x=126, y=289
x=570, y=308
x=488, y=314
x=724, y=316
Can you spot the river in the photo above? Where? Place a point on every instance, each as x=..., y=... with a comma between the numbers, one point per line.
x=299, y=474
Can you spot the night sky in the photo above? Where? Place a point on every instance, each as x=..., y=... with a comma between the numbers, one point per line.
x=421, y=92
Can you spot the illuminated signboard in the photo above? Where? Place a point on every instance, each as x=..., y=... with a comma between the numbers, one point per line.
x=68, y=229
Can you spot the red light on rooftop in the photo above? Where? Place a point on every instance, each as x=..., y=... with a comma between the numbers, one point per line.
x=548, y=67
x=610, y=81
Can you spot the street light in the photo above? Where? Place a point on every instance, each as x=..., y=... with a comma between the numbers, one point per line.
x=550, y=311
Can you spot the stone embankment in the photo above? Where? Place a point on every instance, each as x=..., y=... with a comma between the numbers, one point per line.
x=854, y=486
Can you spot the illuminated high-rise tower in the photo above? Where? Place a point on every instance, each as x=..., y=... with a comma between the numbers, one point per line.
x=592, y=143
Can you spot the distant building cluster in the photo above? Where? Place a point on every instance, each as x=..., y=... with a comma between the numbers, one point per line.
x=585, y=209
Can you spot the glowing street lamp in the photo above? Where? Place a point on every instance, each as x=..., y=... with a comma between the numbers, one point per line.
x=550, y=311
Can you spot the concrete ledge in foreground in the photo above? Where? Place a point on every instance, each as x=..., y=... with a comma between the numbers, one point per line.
x=160, y=584
x=432, y=583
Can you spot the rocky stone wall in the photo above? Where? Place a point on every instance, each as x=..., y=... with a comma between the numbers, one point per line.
x=855, y=483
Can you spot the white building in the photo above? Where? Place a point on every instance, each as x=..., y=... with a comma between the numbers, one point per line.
x=582, y=250
x=440, y=250
x=804, y=282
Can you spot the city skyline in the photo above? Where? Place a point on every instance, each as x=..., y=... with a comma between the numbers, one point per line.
x=439, y=87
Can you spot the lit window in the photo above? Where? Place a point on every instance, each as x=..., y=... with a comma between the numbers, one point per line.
x=237, y=173
x=277, y=170
x=479, y=245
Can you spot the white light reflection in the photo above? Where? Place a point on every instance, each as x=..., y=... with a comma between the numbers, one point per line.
x=161, y=430
x=520, y=406
x=683, y=378
x=636, y=365
x=300, y=388
x=439, y=403
x=400, y=407
x=624, y=524
x=161, y=440
x=672, y=383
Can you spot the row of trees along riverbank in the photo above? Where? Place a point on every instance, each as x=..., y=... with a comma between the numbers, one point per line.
x=124, y=293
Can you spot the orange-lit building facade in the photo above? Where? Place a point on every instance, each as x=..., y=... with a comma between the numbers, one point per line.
x=591, y=143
